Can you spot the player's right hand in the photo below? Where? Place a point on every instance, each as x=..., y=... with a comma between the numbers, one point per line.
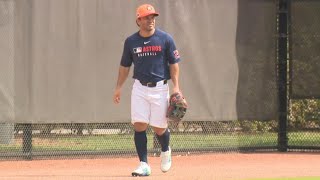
x=116, y=96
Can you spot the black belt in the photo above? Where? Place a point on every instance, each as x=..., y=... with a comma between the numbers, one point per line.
x=152, y=84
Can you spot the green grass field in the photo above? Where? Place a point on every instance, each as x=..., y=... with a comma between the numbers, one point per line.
x=178, y=141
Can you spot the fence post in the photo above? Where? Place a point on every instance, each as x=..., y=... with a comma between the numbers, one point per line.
x=27, y=141
x=282, y=74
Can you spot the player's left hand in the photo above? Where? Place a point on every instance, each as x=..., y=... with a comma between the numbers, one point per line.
x=177, y=107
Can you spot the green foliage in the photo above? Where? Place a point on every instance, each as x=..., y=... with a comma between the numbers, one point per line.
x=304, y=114
x=255, y=126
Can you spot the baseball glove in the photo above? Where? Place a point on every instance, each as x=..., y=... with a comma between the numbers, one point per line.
x=177, y=107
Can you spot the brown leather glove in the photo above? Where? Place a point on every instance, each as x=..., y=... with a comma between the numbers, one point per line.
x=177, y=107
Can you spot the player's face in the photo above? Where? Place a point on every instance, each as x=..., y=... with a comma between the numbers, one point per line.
x=147, y=23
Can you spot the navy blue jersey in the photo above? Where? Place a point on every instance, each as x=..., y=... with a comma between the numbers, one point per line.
x=151, y=56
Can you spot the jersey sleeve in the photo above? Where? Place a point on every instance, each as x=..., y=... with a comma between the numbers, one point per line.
x=126, y=59
x=172, y=52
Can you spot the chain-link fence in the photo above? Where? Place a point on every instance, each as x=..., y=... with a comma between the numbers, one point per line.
x=117, y=139
x=305, y=40
x=304, y=107
x=256, y=94
x=75, y=140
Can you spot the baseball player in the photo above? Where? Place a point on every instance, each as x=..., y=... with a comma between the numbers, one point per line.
x=155, y=58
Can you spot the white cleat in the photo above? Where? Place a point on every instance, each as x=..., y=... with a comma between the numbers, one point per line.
x=166, y=160
x=143, y=170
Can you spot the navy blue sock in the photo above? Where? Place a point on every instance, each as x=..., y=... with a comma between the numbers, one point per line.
x=140, y=140
x=164, y=140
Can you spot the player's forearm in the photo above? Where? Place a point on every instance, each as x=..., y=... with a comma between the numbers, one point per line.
x=122, y=76
x=174, y=73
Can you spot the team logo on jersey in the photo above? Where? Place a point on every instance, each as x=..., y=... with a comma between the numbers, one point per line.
x=176, y=54
x=137, y=50
x=147, y=50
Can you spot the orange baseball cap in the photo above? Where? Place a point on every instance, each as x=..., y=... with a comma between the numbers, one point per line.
x=146, y=10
